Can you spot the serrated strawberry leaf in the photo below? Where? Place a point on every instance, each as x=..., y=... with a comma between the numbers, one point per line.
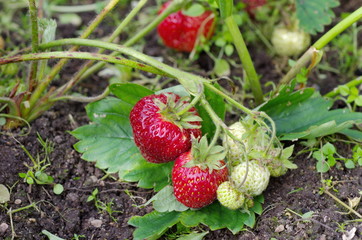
x=313, y=15
x=216, y=217
x=129, y=92
x=304, y=115
x=165, y=201
x=153, y=225
x=150, y=175
x=193, y=236
x=108, y=141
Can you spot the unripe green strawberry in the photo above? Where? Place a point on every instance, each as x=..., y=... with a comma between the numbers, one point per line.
x=257, y=177
x=289, y=42
x=235, y=149
x=229, y=197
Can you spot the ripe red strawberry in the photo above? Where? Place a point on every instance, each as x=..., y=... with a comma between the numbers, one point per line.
x=159, y=133
x=180, y=32
x=197, y=174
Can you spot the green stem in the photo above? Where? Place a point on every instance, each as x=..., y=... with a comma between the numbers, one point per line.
x=245, y=58
x=56, y=69
x=340, y=27
x=188, y=80
x=229, y=99
x=76, y=9
x=84, y=99
x=81, y=73
x=215, y=137
x=13, y=108
x=82, y=55
x=192, y=103
x=34, y=42
x=342, y=203
x=32, y=205
x=350, y=84
x=173, y=7
x=311, y=55
x=34, y=26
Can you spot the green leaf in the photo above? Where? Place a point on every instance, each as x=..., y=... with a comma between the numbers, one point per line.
x=358, y=101
x=194, y=10
x=257, y=208
x=178, y=89
x=51, y=236
x=221, y=68
x=4, y=194
x=343, y=90
x=250, y=220
x=308, y=215
x=216, y=217
x=58, y=189
x=150, y=175
x=354, y=134
x=349, y=164
x=218, y=105
x=302, y=114
x=328, y=149
x=313, y=15
x=2, y=121
x=322, y=166
x=129, y=92
x=259, y=198
x=165, y=201
x=108, y=141
x=193, y=236
x=229, y=50
x=153, y=225
x=48, y=27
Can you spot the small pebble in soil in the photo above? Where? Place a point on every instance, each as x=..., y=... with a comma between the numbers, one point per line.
x=18, y=201
x=3, y=227
x=97, y=223
x=323, y=237
x=32, y=220
x=279, y=229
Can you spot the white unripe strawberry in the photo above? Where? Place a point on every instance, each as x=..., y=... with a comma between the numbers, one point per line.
x=289, y=42
x=235, y=149
x=257, y=177
x=229, y=197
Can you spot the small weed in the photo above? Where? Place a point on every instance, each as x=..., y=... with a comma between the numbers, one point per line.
x=327, y=157
x=77, y=237
x=36, y=172
x=102, y=206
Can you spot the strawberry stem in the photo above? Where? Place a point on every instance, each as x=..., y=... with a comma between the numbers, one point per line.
x=193, y=102
x=245, y=58
x=336, y=30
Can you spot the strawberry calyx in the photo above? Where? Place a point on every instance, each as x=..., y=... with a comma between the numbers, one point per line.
x=206, y=156
x=169, y=111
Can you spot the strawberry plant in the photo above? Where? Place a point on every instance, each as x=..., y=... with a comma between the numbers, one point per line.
x=168, y=139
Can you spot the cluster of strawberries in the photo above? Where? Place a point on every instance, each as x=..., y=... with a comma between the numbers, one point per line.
x=164, y=135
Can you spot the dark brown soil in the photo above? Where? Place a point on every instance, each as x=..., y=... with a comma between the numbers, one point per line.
x=69, y=213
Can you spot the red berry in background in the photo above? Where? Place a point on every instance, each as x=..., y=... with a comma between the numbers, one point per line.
x=180, y=32
x=251, y=5
x=195, y=181
x=158, y=132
